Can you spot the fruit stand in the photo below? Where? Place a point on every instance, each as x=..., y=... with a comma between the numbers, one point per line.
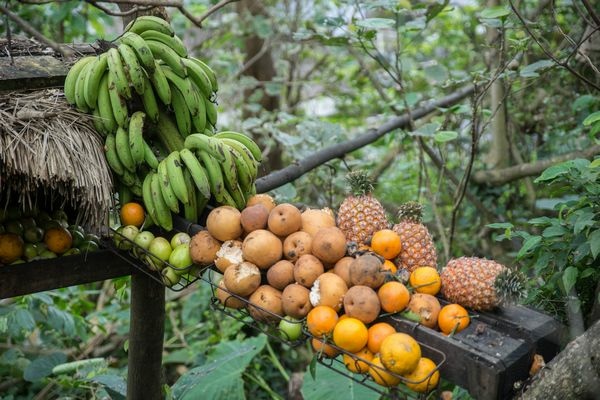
x=490, y=357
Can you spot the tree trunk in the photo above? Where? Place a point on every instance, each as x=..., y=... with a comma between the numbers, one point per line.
x=158, y=11
x=572, y=374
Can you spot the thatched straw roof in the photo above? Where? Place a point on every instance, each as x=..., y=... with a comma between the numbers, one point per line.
x=51, y=154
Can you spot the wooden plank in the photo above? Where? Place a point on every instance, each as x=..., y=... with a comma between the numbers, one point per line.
x=31, y=72
x=42, y=275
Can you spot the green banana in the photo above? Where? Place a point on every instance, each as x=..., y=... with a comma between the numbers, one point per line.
x=163, y=52
x=149, y=101
x=209, y=72
x=201, y=142
x=141, y=49
x=243, y=170
x=80, y=88
x=104, y=106
x=211, y=111
x=161, y=85
x=197, y=171
x=148, y=23
x=165, y=187
x=98, y=125
x=147, y=196
x=94, y=77
x=110, y=152
x=173, y=42
x=181, y=111
x=117, y=72
x=163, y=213
x=201, y=201
x=215, y=177
x=72, y=75
x=117, y=103
x=136, y=188
x=228, y=199
x=198, y=76
x=243, y=139
x=168, y=134
x=125, y=194
x=133, y=68
x=136, y=137
x=128, y=177
x=229, y=168
x=249, y=161
x=237, y=196
x=123, y=149
x=199, y=120
x=187, y=88
x=175, y=173
x=149, y=156
x=190, y=210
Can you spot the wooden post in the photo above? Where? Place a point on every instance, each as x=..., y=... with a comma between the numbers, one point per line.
x=146, y=334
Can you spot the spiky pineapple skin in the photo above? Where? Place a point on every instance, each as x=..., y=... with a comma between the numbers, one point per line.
x=418, y=249
x=361, y=216
x=469, y=281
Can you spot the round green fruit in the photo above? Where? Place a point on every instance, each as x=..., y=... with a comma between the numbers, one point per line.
x=14, y=226
x=143, y=239
x=160, y=248
x=180, y=238
x=28, y=222
x=290, y=328
x=180, y=258
x=46, y=254
x=169, y=276
x=31, y=251
x=33, y=234
x=87, y=246
x=72, y=251
x=60, y=215
x=129, y=233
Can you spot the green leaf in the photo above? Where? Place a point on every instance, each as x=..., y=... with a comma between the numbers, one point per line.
x=595, y=243
x=531, y=70
x=587, y=272
x=434, y=9
x=495, y=12
x=595, y=163
x=42, y=366
x=445, y=136
x=329, y=385
x=554, y=171
x=569, y=278
x=540, y=221
x=21, y=320
x=115, y=385
x=436, y=73
x=554, y=231
x=376, y=23
x=590, y=119
x=500, y=225
x=221, y=376
x=312, y=367
x=529, y=243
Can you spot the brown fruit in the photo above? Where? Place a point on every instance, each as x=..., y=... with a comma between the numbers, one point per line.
x=295, y=301
x=427, y=307
x=262, y=248
x=329, y=244
x=361, y=302
x=280, y=274
x=297, y=244
x=262, y=198
x=307, y=269
x=265, y=304
x=315, y=219
x=58, y=239
x=342, y=269
x=242, y=279
x=12, y=247
x=284, y=219
x=254, y=217
x=328, y=290
x=204, y=248
x=367, y=270
x=230, y=253
x=226, y=298
x=224, y=223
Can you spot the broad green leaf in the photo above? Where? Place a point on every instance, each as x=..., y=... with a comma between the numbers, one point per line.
x=585, y=101
x=376, y=23
x=115, y=385
x=590, y=119
x=42, y=366
x=582, y=251
x=532, y=69
x=21, y=320
x=329, y=385
x=595, y=243
x=434, y=9
x=495, y=12
x=428, y=129
x=445, y=136
x=529, y=243
x=436, y=73
x=587, y=272
x=569, y=278
x=554, y=231
x=540, y=221
x=500, y=225
x=221, y=376
x=595, y=163
x=585, y=218
x=554, y=171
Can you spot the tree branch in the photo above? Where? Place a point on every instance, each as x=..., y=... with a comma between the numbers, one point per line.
x=498, y=177
x=300, y=167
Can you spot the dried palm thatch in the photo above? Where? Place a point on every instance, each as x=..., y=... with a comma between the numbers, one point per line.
x=51, y=154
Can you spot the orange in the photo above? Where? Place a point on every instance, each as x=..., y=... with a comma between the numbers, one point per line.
x=389, y=266
x=377, y=333
x=453, y=318
x=386, y=243
x=324, y=348
x=350, y=334
x=425, y=280
x=381, y=375
x=12, y=247
x=321, y=320
x=358, y=362
x=58, y=239
x=400, y=353
x=393, y=296
x=424, y=378
x=132, y=214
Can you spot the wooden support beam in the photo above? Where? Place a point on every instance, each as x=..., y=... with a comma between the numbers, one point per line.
x=31, y=72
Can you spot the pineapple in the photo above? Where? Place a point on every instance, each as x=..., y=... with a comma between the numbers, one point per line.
x=360, y=214
x=418, y=249
x=480, y=284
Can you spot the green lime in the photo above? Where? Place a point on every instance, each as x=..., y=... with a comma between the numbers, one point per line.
x=76, y=228
x=14, y=226
x=31, y=251
x=89, y=246
x=28, y=222
x=33, y=234
x=78, y=238
x=45, y=254
x=60, y=215
x=72, y=251
x=92, y=238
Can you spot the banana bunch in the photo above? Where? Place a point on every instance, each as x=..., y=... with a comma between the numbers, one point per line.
x=155, y=106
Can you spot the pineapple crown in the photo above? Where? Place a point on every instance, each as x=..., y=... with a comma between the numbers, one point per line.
x=510, y=285
x=410, y=211
x=360, y=183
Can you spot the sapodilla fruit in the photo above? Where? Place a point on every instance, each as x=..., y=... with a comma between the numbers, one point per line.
x=265, y=304
x=362, y=302
x=329, y=244
x=328, y=290
x=224, y=223
x=284, y=219
x=242, y=279
x=254, y=217
x=230, y=253
x=281, y=274
x=204, y=248
x=295, y=301
x=262, y=247
x=315, y=219
x=297, y=244
x=226, y=298
x=307, y=269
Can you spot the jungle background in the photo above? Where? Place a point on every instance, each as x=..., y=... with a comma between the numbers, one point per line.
x=509, y=172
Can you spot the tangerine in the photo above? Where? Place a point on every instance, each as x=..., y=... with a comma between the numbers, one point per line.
x=377, y=333
x=380, y=375
x=400, y=353
x=132, y=214
x=388, y=265
x=350, y=334
x=393, y=296
x=386, y=243
x=12, y=247
x=358, y=362
x=321, y=320
x=425, y=280
x=453, y=318
x=58, y=239
x=324, y=348
x=424, y=378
